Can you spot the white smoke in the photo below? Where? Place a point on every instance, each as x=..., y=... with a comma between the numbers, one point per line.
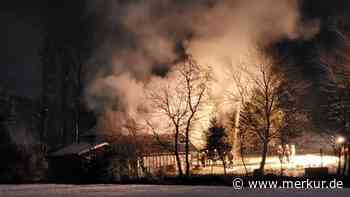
x=136, y=37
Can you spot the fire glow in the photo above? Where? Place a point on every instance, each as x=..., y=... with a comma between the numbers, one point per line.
x=125, y=72
x=295, y=167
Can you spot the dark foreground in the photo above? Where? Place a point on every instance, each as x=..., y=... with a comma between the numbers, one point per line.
x=52, y=190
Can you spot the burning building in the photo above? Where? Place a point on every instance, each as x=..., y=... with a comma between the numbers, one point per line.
x=159, y=155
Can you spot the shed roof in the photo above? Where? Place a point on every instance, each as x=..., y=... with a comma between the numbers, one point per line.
x=164, y=144
x=78, y=149
x=150, y=144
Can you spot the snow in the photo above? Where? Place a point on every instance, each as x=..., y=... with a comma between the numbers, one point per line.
x=52, y=190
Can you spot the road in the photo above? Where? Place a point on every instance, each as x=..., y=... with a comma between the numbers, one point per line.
x=154, y=191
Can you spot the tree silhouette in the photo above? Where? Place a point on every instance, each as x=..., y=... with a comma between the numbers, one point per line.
x=218, y=142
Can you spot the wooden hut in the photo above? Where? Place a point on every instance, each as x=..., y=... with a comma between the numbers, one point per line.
x=159, y=154
x=78, y=162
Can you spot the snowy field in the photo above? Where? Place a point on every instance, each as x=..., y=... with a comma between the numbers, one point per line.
x=154, y=191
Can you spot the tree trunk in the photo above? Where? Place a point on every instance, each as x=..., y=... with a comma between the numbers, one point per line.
x=281, y=168
x=43, y=115
x=241, y=152
x=224, y=164
x=244, y=164
x=348, y=161
x=345, y=163
x=187, y=153
x=264, y=155
x=339, y=162
x=178, y=161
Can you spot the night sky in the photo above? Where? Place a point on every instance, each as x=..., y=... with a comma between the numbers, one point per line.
x=21, y=39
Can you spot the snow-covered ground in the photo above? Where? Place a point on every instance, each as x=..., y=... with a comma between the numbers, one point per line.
x=154, y=191
x=298, y=162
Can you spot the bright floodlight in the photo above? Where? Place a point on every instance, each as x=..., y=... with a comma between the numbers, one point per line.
x=340, y=140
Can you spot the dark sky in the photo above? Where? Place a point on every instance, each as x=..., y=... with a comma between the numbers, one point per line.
x=20, y=42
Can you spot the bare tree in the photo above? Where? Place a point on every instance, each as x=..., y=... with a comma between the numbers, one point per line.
x=180, y=101
x=338, y=112
x=196, y=84
x=175, y=111
x=258, y=94
x=243, y=142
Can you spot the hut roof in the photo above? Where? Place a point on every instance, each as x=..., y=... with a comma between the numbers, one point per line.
x=149, y=143
x=78, y=149
x=164, y=144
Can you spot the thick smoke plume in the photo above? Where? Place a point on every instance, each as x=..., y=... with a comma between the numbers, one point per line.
x=140, y=41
